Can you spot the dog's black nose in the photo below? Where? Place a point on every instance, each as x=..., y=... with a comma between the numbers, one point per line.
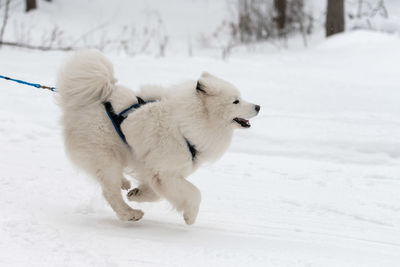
x=257, y=107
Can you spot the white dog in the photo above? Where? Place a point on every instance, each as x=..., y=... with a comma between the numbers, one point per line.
x=161, y=135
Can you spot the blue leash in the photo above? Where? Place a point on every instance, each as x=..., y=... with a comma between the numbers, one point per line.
x=53, y=89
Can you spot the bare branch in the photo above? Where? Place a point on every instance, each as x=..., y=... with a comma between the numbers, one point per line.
x=34, y=47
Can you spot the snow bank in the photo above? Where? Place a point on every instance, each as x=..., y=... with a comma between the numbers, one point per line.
x=314, y=182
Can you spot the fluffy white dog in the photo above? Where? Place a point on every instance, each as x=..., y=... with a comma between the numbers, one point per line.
x=159, y=135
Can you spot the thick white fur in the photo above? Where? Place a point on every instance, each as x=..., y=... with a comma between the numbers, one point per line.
x=159, y=157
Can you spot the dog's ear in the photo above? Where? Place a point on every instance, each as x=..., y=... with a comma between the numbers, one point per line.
x=200, y=88
x=208, y=84
x=205, y=74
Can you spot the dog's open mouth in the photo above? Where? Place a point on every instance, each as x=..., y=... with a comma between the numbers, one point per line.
x=243, y=122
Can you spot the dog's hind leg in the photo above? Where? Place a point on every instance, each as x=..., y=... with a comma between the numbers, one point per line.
x=143, y=193
x=111, y=181
x=182, y=194
x=125, y=184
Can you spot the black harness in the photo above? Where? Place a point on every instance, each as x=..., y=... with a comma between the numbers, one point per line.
x=117, y=119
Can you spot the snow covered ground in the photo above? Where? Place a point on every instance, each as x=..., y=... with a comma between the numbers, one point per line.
x=314, y=182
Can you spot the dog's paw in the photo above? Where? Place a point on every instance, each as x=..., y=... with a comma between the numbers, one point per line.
x=133, y=194
x=190, y=216
x=125, y=184
x=133, y=215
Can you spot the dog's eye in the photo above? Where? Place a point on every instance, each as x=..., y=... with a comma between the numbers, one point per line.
x=236, y=102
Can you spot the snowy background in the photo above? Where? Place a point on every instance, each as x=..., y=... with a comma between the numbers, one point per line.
x=314, y=182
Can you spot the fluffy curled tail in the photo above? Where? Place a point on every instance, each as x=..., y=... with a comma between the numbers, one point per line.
x=86, y=78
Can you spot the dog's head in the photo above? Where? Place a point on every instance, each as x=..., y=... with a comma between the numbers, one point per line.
x=223, y=102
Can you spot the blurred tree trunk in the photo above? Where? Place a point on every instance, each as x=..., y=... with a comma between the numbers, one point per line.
x=334, y=17
x=280, y=7
x=5, y=20
x=245, y=30
x=30, y=5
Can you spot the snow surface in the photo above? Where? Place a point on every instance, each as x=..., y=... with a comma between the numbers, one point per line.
x=314, y=182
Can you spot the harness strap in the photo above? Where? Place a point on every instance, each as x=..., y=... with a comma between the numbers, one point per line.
x=117, y=119
x=140, y=103
x=192, y=149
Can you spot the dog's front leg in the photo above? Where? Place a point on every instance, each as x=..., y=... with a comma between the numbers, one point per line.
x=182, y=194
